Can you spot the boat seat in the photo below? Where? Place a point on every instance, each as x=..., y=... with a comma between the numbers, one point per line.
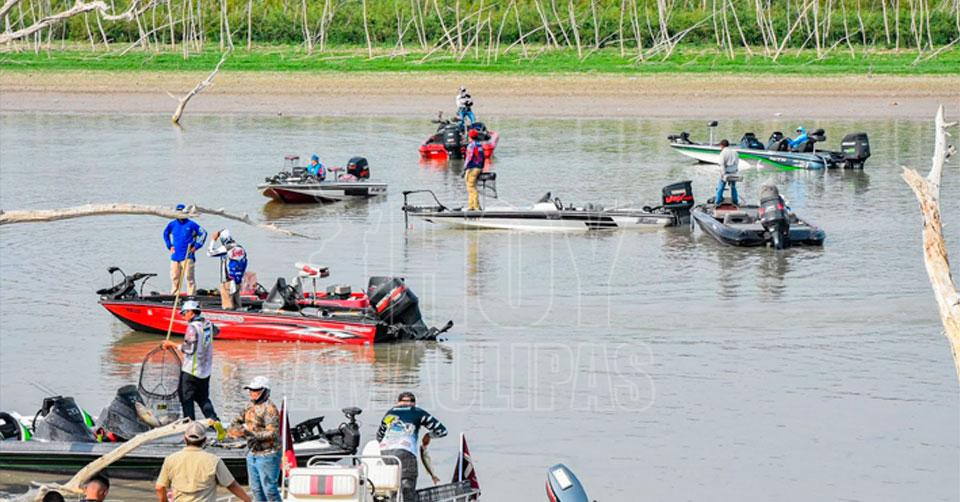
x=737, y=218
x=311, y=271
x=282, y=297
x=385, y=477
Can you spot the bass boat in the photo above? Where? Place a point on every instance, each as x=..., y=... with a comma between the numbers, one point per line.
x=387, y=311
x=295, y=185
x=450, y=141
x=61, y=438
x=551, y=215
x=771, y=223
x=854, y=151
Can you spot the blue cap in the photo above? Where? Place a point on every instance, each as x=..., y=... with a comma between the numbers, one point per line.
x=314, y=157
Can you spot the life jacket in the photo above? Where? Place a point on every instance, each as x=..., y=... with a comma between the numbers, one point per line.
x=478, y=157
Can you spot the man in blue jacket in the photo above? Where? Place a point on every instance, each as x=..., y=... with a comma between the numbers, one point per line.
x=399, y=436
x=183, y=237
x=799, y=140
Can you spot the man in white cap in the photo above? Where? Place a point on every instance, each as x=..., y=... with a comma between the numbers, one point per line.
x=233, y=263
x=194, y=474
x=260, y=426
x=197, y=351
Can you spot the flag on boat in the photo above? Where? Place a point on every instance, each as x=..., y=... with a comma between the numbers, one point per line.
x=464, y=470
x=289, y=457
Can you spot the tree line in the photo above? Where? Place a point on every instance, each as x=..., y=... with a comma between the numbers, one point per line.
x=639, y=28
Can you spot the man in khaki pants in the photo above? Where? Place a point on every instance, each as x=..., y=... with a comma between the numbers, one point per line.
x=183, y=236
x=472, y=167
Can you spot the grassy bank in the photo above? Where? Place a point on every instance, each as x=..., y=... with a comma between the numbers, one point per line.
x=605, y=61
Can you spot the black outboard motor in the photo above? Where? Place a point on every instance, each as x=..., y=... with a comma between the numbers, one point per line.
x=749, y=141
x=396, y=306
x=855, y=149
x=359, y=168
x=777, y=142
x=120, y=420
x=60, y=419
x=452, y=138
x=678, y=199
x=773, y=216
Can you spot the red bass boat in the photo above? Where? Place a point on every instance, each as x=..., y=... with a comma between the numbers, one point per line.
x=450, y=142
x=388, y=311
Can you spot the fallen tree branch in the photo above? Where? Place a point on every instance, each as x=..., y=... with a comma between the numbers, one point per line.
x=935, y=256
x=79, y=7
x=37, y=216
x=207, y=82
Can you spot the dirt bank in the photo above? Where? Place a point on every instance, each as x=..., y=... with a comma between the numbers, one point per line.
x=417, y=94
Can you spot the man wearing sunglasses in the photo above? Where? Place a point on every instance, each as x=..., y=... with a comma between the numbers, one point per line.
x=399, y=436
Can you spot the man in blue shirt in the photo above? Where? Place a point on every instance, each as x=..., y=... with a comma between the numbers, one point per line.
x=399, y=436
x=183, y=236
x=316, y=169
x=799, y=140
x=233, y=264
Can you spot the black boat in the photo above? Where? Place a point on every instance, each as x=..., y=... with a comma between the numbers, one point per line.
x=771, y=223
x=61, y=439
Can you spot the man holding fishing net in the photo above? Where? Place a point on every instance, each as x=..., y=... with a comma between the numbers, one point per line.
x=197, y=350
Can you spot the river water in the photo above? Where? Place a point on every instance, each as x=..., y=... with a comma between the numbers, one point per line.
x=657, y=365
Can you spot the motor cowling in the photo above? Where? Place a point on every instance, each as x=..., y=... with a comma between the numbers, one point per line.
x=452, y=137
x=359, y=168
x=397, y=306
x=120, y=419
x=855, y=149
x=60, y=419
x=749, y=141
x=774, y=217
x=678, y=198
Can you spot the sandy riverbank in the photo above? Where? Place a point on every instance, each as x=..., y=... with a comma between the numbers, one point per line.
x=418, y=94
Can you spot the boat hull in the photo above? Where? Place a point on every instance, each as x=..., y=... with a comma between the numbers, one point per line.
x=548, y=221
x=753, y=235
x=787, y=161
x=142, y=463
x=154, y=317
x=305, y=193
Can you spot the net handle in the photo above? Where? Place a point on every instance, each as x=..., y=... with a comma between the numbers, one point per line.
x=176, y=296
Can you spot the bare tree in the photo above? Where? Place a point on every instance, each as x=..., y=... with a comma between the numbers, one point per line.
x=207, y=82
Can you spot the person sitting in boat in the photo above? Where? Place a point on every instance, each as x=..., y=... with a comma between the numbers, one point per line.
x=183, y=236
x=96, y=488
x=472, y=167
x=194, y=474
x=316, y=169
x=259, y=425
x=465, y=107
x=801, y=138
x=197, y=351
x=233, y=263
x=729, y=168
x=399, y=436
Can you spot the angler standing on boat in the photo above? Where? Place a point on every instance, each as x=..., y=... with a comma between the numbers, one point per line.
x=729, y=169
x=472, y=167
x=316, y=169
x=399, y=437
x=233, y=263
x=260, y=426
x=183, y=236
x=194, y=474
x=197, y=350
x=465, y=108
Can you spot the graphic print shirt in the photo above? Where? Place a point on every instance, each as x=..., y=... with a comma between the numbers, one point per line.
x=197, y=348
x=400, y=428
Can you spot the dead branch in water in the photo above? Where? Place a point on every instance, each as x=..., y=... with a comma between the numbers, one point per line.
x=44, y=215
x=935, y=257
x=207, y=82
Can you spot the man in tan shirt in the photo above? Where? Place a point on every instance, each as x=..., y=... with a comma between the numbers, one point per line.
x=195, y=474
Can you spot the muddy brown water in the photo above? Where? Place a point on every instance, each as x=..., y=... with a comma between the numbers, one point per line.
x=656, y=364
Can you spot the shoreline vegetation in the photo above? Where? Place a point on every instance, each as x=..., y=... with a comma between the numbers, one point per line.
x=856, y=37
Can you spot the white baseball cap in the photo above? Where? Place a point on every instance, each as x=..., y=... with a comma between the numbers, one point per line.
x=258, y=383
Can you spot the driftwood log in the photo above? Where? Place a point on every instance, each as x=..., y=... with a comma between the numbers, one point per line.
x=927, y=190
x=37, y=216
x=207, y=82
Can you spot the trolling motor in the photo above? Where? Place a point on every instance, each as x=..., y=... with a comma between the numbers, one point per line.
x=346, y=435
x=127, y=287
x=774, y=217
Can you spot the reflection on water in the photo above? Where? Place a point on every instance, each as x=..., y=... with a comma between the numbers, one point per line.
x=691, y=369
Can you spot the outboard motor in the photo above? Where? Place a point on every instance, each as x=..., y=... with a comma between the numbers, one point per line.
x=855, y=149
x=359, y=168
x=773, y=216
x=396, y=306
x=120, y=420
x=452, y=138
x=678, y=199
x=777, y=142
x=749, y=141
x=681, y=139
x=60, y=419
x=563, y=485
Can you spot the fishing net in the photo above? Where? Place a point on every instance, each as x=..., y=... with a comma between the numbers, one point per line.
x=160, y=383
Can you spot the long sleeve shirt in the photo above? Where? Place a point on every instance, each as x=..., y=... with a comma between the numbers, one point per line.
x=233, y=261
x=261, y=427
x=795, y=142
x=182, y=234
x=400, y=428
x=729, y=161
